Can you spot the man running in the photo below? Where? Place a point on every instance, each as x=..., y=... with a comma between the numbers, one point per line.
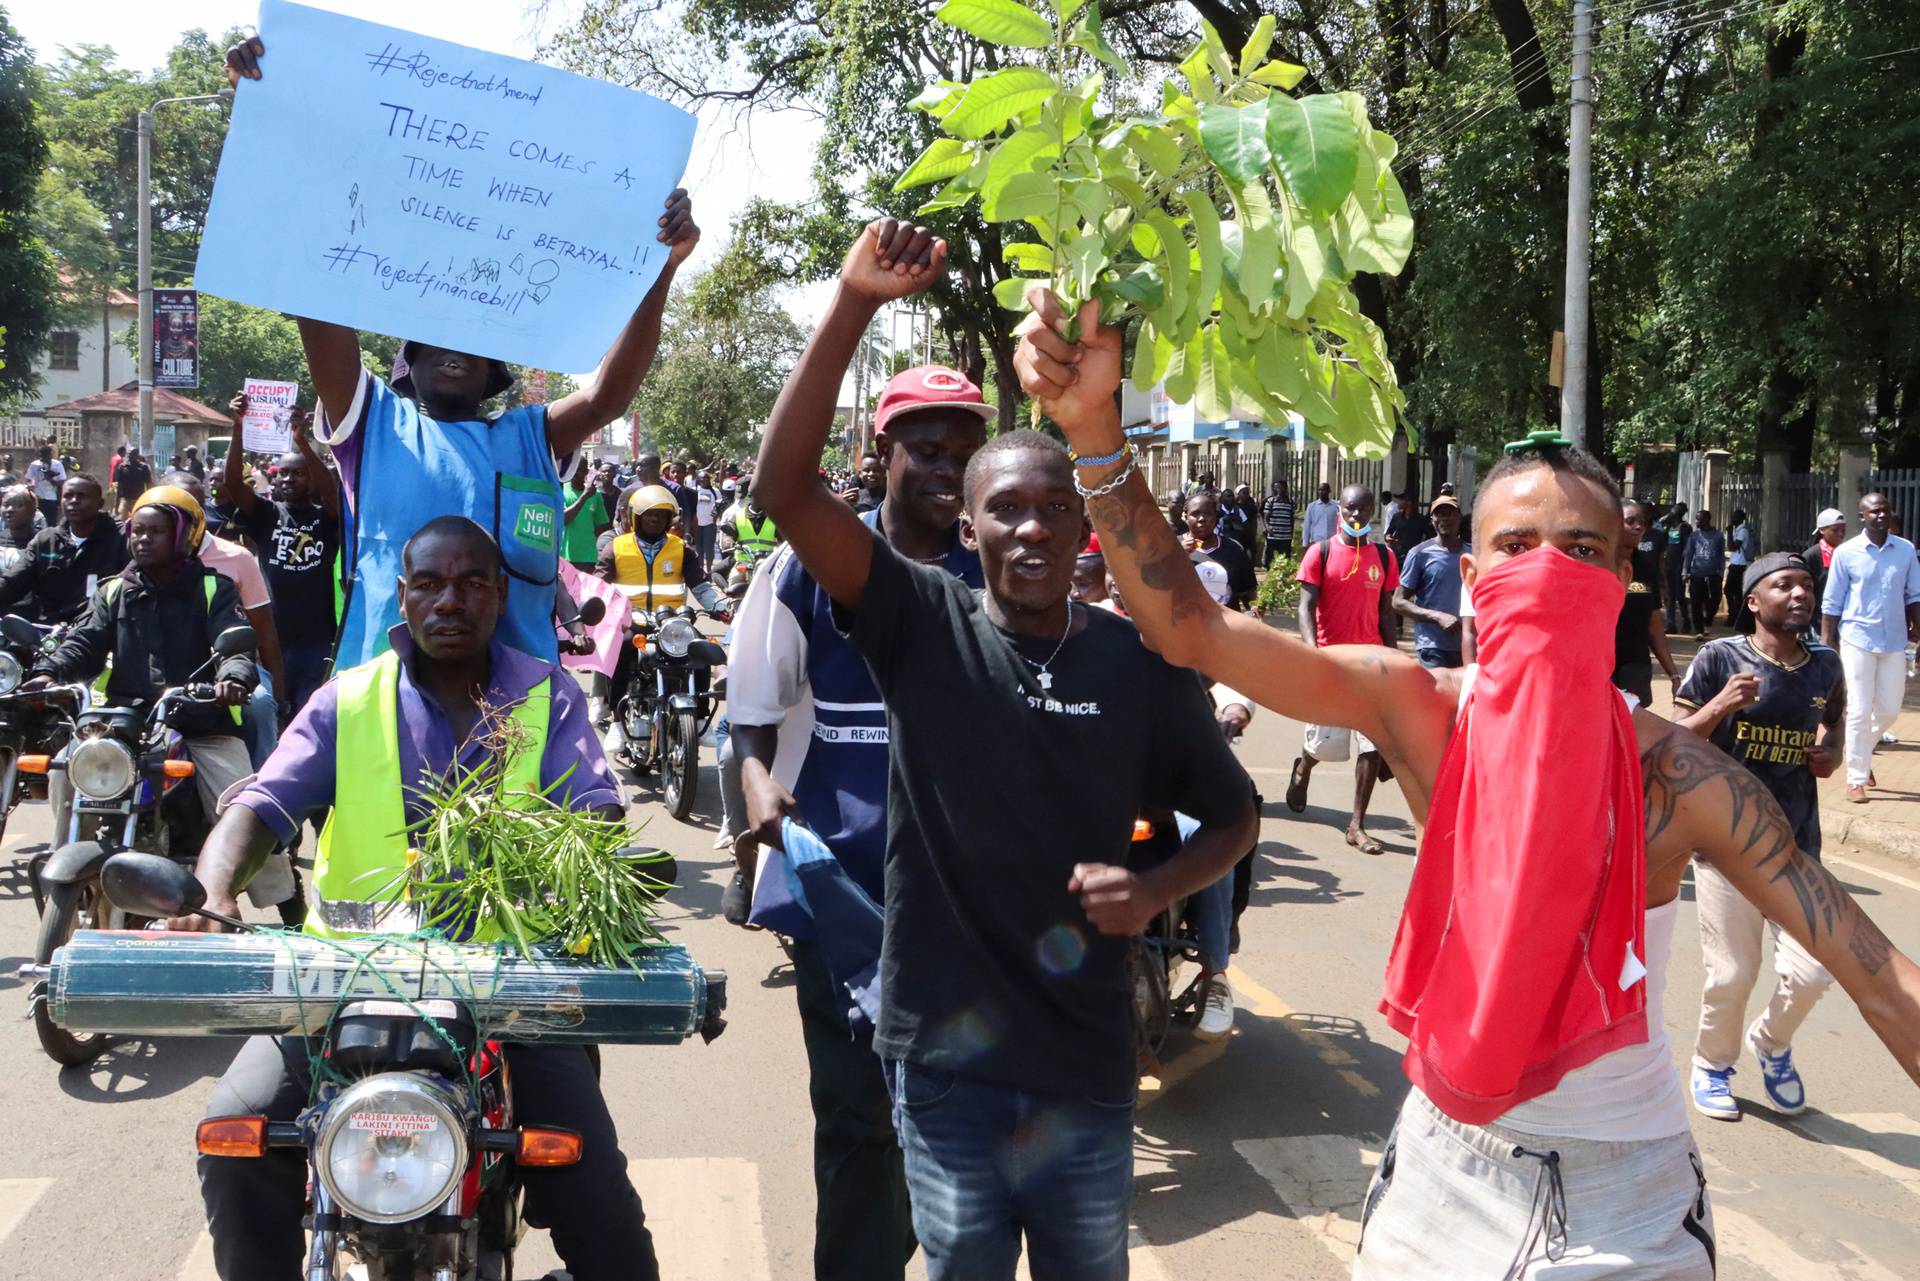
x=799, y=691
x=1546, y=1122
x=1869, y=611
x=1774, y=702
x=1027, y=733
x=1347, y=586
x=1429, y=591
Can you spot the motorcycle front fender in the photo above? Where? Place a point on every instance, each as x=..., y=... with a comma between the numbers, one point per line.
x=683, y=703
x=73, y=864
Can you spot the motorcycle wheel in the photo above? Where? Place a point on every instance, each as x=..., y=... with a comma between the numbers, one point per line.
x=1152, y=1006
x=680, y=762
x=69, y=907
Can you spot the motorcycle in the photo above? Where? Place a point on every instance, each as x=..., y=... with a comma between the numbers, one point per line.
x=128, y=769
x=740, y=571
x=1154, y=954
x=37, y=723
x=663, y=702
x=410, y=1141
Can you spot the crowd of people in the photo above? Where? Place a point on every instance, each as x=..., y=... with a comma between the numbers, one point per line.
x=968, y=668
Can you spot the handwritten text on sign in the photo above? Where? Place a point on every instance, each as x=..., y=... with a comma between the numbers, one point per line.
x=444, y=194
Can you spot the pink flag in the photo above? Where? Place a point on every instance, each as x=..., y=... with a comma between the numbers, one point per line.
x=609, y=632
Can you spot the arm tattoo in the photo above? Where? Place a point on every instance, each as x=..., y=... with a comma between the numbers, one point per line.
x=1757, y=827
x=1131, y=520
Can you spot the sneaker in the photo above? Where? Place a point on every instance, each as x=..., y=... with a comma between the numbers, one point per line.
x=613, y=741
x=1889, y=738
x=1713, y=1094
x=1785, y=1090
x=597, y=711
x=1216, y=1010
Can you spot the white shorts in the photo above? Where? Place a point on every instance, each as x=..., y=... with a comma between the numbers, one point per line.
x=1336, y=743
x=1456, y=1202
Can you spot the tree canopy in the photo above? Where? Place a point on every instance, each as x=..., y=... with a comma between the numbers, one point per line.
x=29, y=288
x=723, y=358
x=1753, y=264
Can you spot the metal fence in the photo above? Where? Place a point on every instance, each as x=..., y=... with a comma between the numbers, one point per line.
x=1807, y=496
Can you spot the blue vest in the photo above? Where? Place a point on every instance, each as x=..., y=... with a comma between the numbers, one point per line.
x=414, y=468
x=842, y=787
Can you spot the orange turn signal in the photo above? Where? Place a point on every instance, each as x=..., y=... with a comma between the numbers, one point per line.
x=548, y=1147
x=640, y=643
x=1142, y=829
x=232, y=1136
x=177, y=769
x=34, y=764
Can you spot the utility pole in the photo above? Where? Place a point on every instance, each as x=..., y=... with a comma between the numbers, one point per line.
x=143, y=129
x=1573, y=388
x=143, y=430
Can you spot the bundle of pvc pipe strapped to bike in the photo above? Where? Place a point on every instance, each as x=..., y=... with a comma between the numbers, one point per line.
x=151, y=983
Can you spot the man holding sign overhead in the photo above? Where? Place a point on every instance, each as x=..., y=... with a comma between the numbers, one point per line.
x=419, y=446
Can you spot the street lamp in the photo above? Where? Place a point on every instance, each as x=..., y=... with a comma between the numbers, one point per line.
x=144, y=198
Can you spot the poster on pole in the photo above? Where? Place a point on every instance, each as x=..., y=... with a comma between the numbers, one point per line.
x=268, y=427
x=449, y=195
x=176, y=338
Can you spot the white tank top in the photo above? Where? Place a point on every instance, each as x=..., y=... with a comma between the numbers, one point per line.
x=1632, y=1094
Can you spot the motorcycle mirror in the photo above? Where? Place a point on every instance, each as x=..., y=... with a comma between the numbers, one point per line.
x=19, y=631
x=235, y=640
x=151, y=885
x=592, y=610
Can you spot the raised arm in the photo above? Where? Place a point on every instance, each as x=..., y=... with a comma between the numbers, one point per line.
x=889, y=261
x=1074, y=383
x=1700, y=799
x=239, y=492
x=577, y=416
x=322, y=483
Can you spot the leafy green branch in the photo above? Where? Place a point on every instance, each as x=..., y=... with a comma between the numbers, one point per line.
x=1229, y=223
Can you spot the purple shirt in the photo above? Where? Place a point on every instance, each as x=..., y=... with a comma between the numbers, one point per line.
x=297, y=782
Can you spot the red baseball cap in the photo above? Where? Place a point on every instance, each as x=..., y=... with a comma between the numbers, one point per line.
x=930, y=387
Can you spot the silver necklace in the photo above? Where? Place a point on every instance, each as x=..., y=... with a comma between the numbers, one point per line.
x=1045, y=677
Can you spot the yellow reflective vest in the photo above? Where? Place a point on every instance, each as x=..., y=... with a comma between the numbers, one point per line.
x=661, y=578
x=364, y=854
x=761, y=538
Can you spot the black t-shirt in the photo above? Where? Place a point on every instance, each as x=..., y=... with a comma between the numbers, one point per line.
x=1631, y=644
x=131, y=479
x=296, y=546
x=1771, y=736
x=1233, y=558
x=995, y=790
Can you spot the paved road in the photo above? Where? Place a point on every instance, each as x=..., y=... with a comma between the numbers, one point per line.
x=1252, y=1153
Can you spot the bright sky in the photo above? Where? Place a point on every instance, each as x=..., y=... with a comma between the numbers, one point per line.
x=729, y=166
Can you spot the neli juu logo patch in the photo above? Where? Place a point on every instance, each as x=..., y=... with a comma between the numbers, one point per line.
x=536, y=526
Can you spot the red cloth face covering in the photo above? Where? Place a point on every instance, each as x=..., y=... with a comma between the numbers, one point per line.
x=1521, y=953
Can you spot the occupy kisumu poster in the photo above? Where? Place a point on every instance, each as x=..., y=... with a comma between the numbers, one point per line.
x=462, y=198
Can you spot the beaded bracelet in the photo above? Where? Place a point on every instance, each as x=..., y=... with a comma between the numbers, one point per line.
x=1081, y=460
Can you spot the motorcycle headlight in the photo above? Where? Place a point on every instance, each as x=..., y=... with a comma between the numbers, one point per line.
x=392, y=1148
x=10, y=673
x=100, y=769
x=675, y=637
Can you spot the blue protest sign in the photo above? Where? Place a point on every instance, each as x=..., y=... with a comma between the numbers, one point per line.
x=391, y=182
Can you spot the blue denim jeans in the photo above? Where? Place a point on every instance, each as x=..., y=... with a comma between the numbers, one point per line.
x=988, y=1162
x=260, y=721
